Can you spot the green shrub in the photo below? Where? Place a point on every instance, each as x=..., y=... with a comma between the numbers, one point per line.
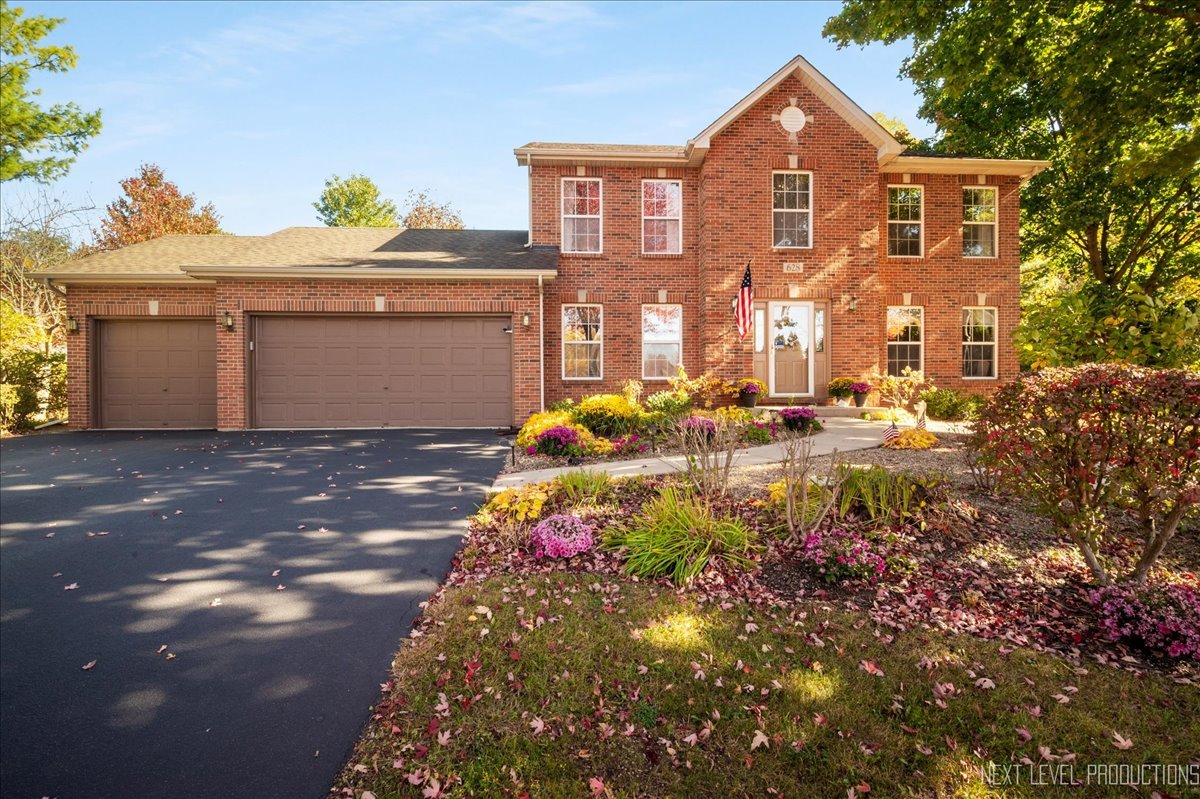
x=757, y=433
x=885, y=497
x=584, y=486
x=674, y=535
x=950, y=405
x=1087, y=441
x=668, y=406
x=608, y=415
x=34, y=383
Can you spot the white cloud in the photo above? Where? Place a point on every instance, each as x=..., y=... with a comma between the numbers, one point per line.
x=625, y=82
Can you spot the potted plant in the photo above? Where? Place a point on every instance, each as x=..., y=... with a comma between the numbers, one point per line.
x=840, y=389
x=798, y=419
x=860, y=390
x=748, y=390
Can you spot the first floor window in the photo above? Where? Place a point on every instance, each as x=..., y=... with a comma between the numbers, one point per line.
x=581, y=215
x=662, y=341
x=791, y=209
x=583, y=342
x=979, y=342
x=662, y=217
x=979, y=222
x=904, y=220
x=904, y=339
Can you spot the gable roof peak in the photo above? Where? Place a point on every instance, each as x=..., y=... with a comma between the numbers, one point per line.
x=886, y=145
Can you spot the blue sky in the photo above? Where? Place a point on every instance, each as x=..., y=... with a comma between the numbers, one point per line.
x=252, y=105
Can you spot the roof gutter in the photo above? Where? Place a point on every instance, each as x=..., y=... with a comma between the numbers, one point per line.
x=365, y=273
x=1024, y=168
x=108, y=278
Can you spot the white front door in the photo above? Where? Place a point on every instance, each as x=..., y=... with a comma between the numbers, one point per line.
x=789, y=349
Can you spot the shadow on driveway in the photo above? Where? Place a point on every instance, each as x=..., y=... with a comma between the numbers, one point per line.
x=270, y=685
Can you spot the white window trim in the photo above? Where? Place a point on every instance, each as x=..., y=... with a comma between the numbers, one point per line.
x=642, y=333
x=888, y=217
x=887, y=344
x=679, y=218
x=562, y=216
x=995, y=225
x=561, y=334
x=995, y=343
x=812, y=211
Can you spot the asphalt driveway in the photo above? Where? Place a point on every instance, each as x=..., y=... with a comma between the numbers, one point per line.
x=280, y=570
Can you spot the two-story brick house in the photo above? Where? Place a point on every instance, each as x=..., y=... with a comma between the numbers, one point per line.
x=863, y=257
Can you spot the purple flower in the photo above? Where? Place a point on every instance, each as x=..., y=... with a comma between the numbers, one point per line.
x=842, y=555
x=700, y=423
x=562, y=535
x=1165, y=618
x=860, y=388
x=559, y=441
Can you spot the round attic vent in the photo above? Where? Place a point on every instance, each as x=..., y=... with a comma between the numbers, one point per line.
x=792, y=119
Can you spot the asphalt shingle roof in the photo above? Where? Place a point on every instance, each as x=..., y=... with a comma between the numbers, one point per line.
x=364, y=248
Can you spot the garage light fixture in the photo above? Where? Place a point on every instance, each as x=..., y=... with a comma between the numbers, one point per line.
x=525, y=320
x=72, y=325
x=227, y=320
x=853, y=303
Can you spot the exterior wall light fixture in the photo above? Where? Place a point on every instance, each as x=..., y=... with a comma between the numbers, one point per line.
x=227, y=320
x=853, y=303
x=72, y=324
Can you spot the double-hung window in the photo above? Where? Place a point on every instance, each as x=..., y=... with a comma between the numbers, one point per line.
x=791, y=209
x=979, y=222
x=905, y=220
x=662, y=217
x=979, y=342
x=582, y=221
x=662, y=341
x=904, y=339
x=582, y=342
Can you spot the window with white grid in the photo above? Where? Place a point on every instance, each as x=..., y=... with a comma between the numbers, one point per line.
x=979, y=342
x=582, y=218
x=662, y=217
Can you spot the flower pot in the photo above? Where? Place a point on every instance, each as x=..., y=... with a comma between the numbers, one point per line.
x=860, y=400
x=843, y=402
x=747, y=400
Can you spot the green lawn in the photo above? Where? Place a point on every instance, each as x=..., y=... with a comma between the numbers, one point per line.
x=580, y=685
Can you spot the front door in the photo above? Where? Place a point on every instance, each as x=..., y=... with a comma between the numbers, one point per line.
x=789, y=351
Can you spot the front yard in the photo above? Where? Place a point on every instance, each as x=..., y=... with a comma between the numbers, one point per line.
x=542, y=677
x=895, y=623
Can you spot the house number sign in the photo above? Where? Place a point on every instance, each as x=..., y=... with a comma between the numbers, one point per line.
x=793, y=268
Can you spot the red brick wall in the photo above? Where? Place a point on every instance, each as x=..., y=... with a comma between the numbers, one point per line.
x=727, y=220
x=621, y=278
x=736, y=225
x=943, y=282
x=242, y=298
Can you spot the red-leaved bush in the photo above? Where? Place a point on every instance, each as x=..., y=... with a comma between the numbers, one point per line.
x=1087, y=441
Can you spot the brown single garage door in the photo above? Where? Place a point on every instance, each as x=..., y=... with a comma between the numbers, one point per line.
x=157, y=373
x=351, y=371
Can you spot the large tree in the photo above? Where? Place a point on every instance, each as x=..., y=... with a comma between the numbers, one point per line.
x=151, y=207
x=355, y=201
x=38, y=233
x=421, y=211
x=1106, y=91
x=35, y=142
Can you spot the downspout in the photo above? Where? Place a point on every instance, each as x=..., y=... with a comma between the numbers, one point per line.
x=529, y=183
x=541, y=344
x=50, y=285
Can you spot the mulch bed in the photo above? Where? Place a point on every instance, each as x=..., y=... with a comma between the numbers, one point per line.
x=991, y=567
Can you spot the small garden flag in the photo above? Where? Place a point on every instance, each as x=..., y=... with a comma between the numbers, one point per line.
x=891, y=432
x=921, y=406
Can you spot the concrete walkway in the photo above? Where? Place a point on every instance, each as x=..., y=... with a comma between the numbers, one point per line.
x=842, y=434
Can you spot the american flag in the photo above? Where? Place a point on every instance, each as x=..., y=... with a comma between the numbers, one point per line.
x=921, y=422
x=743, y=309
x=891, y=432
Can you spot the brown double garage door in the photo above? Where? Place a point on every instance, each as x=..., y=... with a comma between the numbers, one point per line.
x=314, y=371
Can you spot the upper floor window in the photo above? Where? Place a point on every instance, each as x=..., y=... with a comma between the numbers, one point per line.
x=904, y=339
x=582, y=342
x=979, y=342
x=791, y=209
x=979, y=221
x=581, y=215
x=662, y=341
x=662, y=217
x=905, y=220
